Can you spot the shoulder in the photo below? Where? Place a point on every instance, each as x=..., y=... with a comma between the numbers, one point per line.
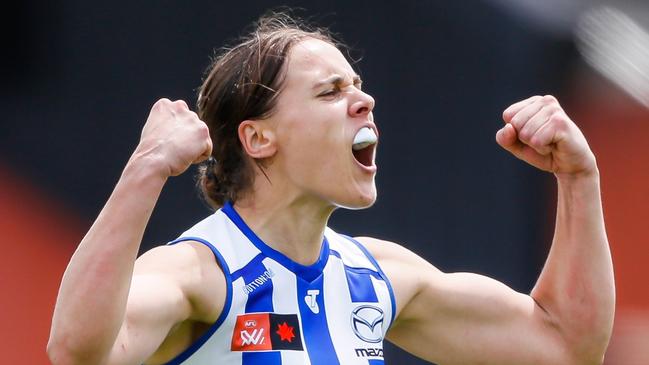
x=174, y=259
x=392, y=253
x=408, y=272
x=192, y=268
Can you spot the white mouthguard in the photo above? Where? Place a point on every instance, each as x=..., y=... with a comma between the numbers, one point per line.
x=364, y=138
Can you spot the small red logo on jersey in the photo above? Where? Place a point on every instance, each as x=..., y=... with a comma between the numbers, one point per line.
x=285, y=332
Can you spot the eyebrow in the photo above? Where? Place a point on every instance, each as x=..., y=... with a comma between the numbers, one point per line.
x=337, y=79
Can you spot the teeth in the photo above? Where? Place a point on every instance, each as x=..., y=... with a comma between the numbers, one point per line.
x=364, y=138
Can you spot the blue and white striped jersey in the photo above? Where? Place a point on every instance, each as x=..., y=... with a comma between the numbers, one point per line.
x=277, y=311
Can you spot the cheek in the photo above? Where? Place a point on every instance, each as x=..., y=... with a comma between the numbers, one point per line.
x=314, y=150
x=315, y=160
x=313, y=134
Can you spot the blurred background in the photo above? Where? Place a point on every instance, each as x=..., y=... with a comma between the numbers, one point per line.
x=78, y=79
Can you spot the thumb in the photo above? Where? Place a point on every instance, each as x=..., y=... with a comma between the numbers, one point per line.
x=507, y=138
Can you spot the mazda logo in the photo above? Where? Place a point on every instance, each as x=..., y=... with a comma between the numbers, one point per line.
x=367, y=323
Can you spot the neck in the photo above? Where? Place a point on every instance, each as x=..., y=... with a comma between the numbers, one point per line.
x=290, y=223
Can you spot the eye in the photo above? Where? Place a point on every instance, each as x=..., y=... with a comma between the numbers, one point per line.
x=331, y=92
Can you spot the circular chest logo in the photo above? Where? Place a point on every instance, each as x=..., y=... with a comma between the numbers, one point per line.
x=367, y=323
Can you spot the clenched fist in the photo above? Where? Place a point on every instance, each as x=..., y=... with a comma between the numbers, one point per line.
x=174, y=137
x=539, y=132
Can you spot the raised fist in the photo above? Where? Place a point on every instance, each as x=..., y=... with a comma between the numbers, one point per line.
x=174, y=137
x=539, y=132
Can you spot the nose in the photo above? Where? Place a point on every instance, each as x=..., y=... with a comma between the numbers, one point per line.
x=362, y=106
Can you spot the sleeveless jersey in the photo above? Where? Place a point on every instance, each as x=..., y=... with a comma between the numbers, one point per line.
x=277, y=311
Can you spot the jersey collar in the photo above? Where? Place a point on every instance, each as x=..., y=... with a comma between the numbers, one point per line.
x=308, y=273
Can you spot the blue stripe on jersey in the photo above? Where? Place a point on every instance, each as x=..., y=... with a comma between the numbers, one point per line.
x=314, y=326
x=360, y=285
x=252, y=265
x=261, y=358
x=383, y=276
x=376, y=362
x=226, y=307
x=308, y=273
x=260, y=299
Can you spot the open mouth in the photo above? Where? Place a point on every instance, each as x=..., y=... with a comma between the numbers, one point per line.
x=365, y=155
x=364, y=145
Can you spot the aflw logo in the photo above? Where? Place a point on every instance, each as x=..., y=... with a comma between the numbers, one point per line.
x=256, y=337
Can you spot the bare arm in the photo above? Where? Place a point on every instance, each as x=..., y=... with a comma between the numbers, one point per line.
x=576, y=286
x=467, y=319
x=464, y=318
x=173, y=287
x=92, y=301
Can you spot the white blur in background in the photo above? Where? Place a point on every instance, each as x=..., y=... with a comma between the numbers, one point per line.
x=616, y=46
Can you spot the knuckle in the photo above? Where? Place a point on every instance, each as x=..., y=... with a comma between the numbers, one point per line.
x=525, y=135
x=161, y=102
x=552, y=109
x=203, y=129
x=549, y=99
x=558, y=118
x=180, y=104
x=535, y=142
x=189, y=115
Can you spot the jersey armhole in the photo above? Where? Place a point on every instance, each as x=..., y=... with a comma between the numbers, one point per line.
x=226, y=306
x=381, y=273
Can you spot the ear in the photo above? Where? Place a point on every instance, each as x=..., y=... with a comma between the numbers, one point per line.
x=257, y=139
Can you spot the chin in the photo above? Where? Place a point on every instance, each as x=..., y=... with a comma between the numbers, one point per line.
x=361, y=200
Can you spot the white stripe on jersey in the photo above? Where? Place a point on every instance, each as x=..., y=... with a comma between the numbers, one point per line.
x=338, y=308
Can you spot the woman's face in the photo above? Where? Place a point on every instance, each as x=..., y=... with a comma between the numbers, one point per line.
x=319, y=112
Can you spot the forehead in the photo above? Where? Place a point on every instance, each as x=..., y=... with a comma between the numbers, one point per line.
x=312, y=60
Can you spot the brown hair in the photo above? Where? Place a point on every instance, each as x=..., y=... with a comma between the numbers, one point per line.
x=243, y=83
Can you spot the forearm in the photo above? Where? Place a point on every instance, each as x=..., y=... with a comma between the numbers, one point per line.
x=92, y=298
x=576, y=286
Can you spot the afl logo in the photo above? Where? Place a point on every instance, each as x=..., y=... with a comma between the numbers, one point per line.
x=367, y=323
